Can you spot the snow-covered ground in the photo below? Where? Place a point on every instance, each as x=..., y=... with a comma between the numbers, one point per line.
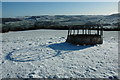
x=44, y=54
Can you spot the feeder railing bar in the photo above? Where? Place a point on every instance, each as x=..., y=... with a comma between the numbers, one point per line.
x=78, y=31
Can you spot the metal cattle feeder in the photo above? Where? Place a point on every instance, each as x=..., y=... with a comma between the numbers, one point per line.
x=85, y=35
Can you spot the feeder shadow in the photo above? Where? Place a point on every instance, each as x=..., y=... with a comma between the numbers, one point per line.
x=67, y=46
x=58, y=47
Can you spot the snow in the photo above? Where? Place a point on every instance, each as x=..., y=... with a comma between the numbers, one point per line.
x=44, y=54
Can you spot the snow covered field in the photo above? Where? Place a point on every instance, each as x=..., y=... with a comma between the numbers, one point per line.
x=44, y=54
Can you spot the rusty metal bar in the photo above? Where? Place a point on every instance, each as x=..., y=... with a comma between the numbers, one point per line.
x=74, y=32
x=85, y=31
x=78, y=31
x=97, y=30
x=68, y=32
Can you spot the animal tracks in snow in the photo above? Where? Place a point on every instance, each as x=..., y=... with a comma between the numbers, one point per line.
x=30, y=54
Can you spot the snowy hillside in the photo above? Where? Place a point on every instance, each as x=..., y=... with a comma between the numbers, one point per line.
x=58, y=22
x=44, y=54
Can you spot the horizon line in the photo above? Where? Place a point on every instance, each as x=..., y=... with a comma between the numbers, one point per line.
x=64, y=15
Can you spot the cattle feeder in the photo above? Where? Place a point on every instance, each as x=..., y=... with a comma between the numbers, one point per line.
x=85, y=35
